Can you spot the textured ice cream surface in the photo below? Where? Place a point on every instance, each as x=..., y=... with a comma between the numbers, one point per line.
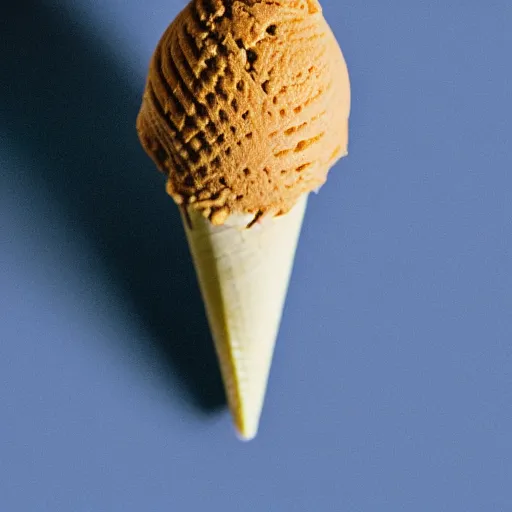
x=246, y=105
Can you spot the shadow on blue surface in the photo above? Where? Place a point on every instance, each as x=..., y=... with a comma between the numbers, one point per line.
x=71, y=108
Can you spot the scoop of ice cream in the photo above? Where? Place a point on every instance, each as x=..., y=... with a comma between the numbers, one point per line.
x=246, y=105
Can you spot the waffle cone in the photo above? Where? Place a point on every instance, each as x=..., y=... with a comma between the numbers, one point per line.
x=243, y=275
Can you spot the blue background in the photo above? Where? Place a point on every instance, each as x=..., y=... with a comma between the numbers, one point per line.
x=391, y=388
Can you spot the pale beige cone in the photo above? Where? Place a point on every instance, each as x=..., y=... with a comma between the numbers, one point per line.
x=244, y=276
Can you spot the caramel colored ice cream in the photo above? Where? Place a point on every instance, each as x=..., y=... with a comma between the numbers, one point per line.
x=246, y=105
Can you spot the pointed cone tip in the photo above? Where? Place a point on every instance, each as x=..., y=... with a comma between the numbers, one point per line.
x=246, y=425
x=245, y=435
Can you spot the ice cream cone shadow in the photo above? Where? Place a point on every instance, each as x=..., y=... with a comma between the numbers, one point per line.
x=70, y=109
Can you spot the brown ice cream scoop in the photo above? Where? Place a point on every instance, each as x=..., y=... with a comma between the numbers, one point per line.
x=246, y=105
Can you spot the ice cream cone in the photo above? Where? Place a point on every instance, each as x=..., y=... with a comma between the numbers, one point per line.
x=243, y=275
x=245, y=110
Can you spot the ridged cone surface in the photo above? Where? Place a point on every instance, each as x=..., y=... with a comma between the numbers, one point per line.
x=244, y=276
